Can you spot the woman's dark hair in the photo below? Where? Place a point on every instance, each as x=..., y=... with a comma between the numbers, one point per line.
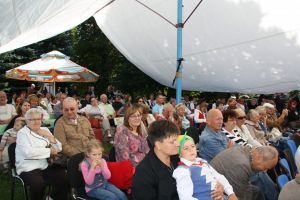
x=160, y=130
x=229, y=113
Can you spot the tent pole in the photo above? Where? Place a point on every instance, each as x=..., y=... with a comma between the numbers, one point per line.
x=179, y=52
x=54, y=88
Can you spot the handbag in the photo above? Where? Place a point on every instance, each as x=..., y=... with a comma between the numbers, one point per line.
x=274, y=135
x=59, y=160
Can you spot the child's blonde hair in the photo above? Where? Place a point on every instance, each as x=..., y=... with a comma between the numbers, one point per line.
x=93, y=144
x=21, y=120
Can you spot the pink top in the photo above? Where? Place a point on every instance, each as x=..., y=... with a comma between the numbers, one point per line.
x=89, y=174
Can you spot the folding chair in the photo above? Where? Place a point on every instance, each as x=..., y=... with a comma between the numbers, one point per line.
x=288, y=155
x=15, y=176
x=284, y=164
x=292, y=146
x=76, y=179
x=282, y=180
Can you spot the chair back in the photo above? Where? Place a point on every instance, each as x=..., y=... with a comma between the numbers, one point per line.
x=12, y=155
x=284, y=164
x=95, y=123
x=292, y=145
x=74, y=174
x=291, y=161
x=282, y=180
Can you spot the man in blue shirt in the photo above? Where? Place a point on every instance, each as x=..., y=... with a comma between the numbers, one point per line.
x=212, y=139
x=158, y=107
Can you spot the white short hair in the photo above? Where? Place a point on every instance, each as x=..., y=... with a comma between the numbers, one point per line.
x=32, y=111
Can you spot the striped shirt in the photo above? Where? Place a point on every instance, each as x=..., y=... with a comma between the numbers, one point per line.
x=236, y=137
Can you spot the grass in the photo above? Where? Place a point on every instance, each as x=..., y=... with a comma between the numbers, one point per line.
x=5, y=187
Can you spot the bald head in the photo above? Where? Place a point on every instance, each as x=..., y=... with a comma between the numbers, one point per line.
x=214, y=119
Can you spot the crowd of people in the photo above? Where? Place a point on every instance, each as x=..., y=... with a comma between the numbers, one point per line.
x=196, y=149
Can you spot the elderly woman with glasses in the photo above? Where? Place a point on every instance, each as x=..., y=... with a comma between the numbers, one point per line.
x=130, y=140
x=35, y=144
x=242, y=129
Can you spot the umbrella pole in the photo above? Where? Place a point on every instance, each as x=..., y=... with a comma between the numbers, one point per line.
x=179, y=52
x=54, y=88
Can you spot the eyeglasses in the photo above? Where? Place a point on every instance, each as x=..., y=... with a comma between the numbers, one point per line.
x=135, y=116
x=69, y=109
x=242, y=117
x=35, y=120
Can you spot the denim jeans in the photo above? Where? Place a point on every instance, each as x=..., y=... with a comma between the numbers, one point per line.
x=265, y=184
x=107, y=191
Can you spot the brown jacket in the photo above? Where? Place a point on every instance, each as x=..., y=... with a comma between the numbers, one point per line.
x=73, y=137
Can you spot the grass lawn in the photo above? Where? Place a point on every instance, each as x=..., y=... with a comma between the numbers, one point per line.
x=5, y=187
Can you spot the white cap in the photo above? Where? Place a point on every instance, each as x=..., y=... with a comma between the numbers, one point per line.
x=268, y=105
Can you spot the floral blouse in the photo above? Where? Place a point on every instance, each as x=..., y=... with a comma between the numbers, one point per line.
x=129, y=146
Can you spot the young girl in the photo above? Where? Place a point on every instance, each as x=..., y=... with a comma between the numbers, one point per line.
x=9, y=137
x=195, y=178
x=95, y=173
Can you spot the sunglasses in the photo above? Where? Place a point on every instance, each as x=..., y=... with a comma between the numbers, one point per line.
x=240, y=118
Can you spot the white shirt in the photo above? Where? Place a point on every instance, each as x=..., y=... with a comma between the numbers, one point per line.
x=7, y=112
x=184, y=182
x=93, y=111
x=246, y=135
x=31, y=151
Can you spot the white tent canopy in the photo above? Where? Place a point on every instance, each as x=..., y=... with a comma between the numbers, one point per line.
x=249, y=46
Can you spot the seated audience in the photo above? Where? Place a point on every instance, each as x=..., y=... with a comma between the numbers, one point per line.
x=153, y=176
x=35, y=144
x=243, y=130
x=130, y=139
x=272, y=119
x=293, y=118
x=22, y=108
x=213, y=140
x=195, y=178
x=7, y=111
x=10, y=137
x=291, y=190
x=183, y=122
x=253, y=126
x=230, y=121
x=57, y=108
x=238, y=163
x=94, y=111
x=158, y=107
x=35, y=103
x=73, y=130
x=96, y=173
x=200, y=114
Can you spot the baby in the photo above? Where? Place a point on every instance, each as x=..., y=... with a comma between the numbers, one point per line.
x=9, y=137
x=195, y=178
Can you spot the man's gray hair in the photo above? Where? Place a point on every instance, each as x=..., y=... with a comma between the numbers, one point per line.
x=69, y=100
x=268, y=152
x=168, y=105
x=32, y=111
